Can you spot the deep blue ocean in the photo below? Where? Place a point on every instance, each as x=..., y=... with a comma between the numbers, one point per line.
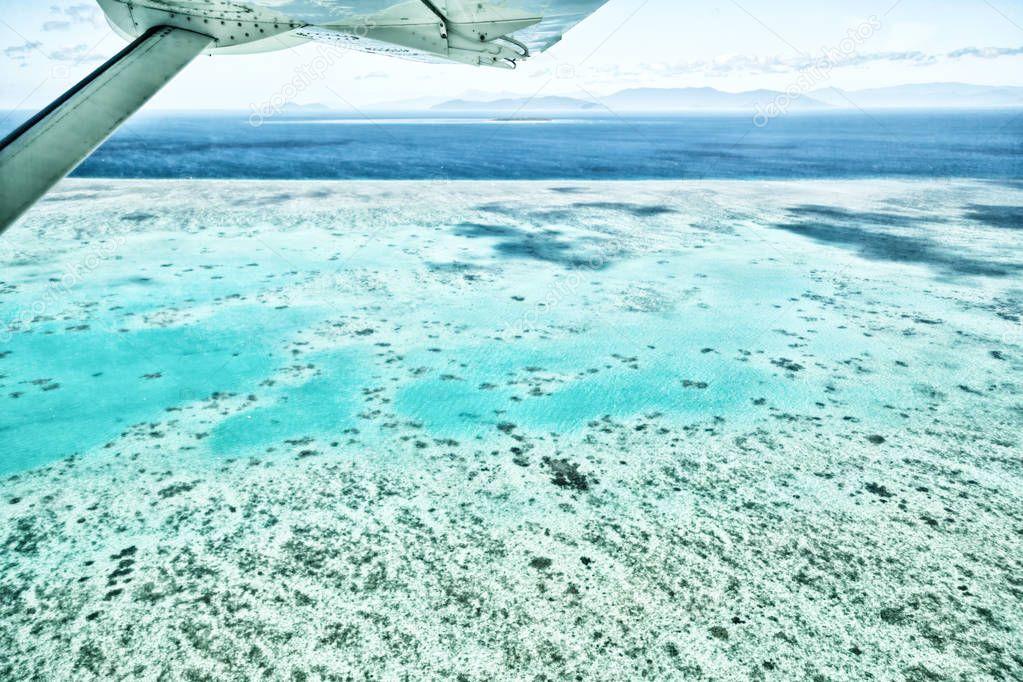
x=976, y=144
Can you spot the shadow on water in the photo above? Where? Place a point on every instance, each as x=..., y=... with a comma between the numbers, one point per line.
x=638, y=210
x=481, y=230
x=1007, y=217
x=543, y=245
x=500, y=209
x=569, y=214
x=865, y=232
x=137, y=217
x=270, y=200
x=69, y=196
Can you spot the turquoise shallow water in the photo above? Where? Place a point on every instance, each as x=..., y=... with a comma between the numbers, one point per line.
x=506, y=431
x=561, y=386
x=73, y=391
x=322, y=406
x=548, y=318
x=341, y=318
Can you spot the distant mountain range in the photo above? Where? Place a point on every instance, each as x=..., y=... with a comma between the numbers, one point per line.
x=636, y=99
x=930, y=96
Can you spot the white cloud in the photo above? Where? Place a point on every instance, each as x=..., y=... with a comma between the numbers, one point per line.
x=19, y=53
x=71, y=16
x=75, y=53
x=725, y=65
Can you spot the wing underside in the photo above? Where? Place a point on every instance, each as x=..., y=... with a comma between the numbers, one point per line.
x=557, y=16
x=494, y=33
x=478, y=32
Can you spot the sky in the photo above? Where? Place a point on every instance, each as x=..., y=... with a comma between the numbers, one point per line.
x=45, y=47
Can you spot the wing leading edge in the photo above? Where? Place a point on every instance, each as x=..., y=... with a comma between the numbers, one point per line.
x=50, y=144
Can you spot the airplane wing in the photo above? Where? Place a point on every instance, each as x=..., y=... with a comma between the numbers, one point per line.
x=168, y=34
x=556, y=19
x=49, y=145
x=492, y=33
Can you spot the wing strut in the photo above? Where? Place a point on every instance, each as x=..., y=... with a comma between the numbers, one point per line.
x=49, y=145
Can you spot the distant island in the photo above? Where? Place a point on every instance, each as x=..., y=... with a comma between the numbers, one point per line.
x=517, y=104
x=925, y=95
x=918, y=96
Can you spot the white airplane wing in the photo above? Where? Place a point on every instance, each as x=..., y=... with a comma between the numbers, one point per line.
x=168, y=34
x=556, y=19
x=49, y=145
x=480, y=33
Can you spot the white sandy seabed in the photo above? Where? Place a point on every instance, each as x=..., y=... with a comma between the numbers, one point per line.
x=478, y=431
